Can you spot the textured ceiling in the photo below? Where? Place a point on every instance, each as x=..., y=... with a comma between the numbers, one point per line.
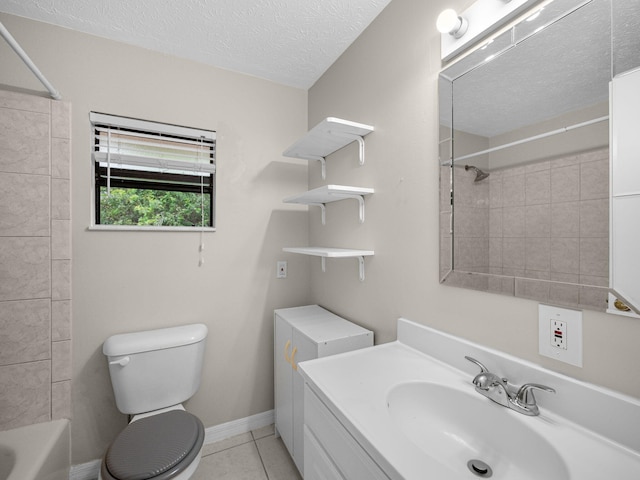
x=291, y=42
x=565, y=67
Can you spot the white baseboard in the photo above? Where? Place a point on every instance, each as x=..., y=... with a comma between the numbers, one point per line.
x=236, y=427
x=89, y=470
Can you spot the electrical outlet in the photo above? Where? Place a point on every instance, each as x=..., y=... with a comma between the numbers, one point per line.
x=555, y=326
x=281, y=269
x=558, y=333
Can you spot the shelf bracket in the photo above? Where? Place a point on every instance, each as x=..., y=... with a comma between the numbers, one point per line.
x=353, y=138
x=361, y=267
x=360, y=259
x=359, y=198
x=323, y=209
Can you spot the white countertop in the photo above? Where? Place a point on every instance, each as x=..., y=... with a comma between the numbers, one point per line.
x=355, y=386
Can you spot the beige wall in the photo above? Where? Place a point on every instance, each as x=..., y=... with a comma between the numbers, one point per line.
x=388, y=78
x=125, y=281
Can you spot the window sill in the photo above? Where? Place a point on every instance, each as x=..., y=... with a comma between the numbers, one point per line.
x=132, y=228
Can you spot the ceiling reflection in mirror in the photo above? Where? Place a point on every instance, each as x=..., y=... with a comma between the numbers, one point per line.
x=524, y=154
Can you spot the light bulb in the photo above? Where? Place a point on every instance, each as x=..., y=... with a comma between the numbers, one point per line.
x=447, y=21
x=450, y=22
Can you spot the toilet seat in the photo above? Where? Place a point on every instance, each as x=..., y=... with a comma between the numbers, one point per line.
x=158, y=447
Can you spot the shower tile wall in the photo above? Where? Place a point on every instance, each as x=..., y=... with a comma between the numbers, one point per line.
x=544, y=221
x=35, y=260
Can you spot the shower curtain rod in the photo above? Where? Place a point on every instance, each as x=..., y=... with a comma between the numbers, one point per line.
x=25, y=58
x=535, y=137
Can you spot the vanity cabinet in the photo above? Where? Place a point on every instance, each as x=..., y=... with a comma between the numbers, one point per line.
x=305, y=333
x=331, y=453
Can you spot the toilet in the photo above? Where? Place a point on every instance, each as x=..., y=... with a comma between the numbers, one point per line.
x=152, y=373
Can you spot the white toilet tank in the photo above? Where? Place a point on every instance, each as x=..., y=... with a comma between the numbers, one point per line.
x=155, y=369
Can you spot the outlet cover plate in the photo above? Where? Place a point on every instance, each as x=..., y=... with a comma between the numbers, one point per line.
x=573, y=335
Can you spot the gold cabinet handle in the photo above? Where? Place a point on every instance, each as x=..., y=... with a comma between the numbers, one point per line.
x=286, y=350
x=293, y=354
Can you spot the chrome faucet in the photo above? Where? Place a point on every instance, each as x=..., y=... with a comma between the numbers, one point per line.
x=498, y=389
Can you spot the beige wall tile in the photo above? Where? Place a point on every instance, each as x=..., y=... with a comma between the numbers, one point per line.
x=535, y=289
x=565, y=184
x=594, y=256
x=60, y=199
x=61, y=279
x=564, y=293
x=21, y=101
x=538, y=254
x=513, y=190
x=24, y=142
x=594, y=218
x=60, y=119
x=513, y=221
x=26, y=268
x=60, y=158
x=25, y=331
x=594, y=180
x=25, y=396
x=538, y=220
x=61, y=360
x=495, y=190
x=565, y=219
x=593, y=297
x=513, y=253
x=61, y=400
x=60, y=320
x=61, y=239
x=24, y=209
x=565, y=256
x=538, y=187
x=496, y=222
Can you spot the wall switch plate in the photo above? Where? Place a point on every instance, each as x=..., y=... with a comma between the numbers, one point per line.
x=560, y=334
x=281, y=269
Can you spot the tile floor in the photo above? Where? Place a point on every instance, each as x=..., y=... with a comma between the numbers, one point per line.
x=257, y=455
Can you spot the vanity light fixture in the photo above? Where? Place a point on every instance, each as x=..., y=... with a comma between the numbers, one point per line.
x=452, y=23
x=461, y=30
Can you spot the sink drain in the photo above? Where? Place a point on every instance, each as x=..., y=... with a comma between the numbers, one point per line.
x=479, y=468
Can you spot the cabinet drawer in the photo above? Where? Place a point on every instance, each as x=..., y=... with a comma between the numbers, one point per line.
x=349, y=457
x=317, y=464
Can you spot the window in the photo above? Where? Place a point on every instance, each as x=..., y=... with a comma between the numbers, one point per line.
x=152, y=175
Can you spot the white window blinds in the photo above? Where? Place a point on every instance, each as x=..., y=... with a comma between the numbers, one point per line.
x=137, y=144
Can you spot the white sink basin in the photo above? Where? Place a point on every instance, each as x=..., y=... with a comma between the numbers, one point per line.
x=463, y=430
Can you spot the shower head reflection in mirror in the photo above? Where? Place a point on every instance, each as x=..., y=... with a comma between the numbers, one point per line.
x=538, y=226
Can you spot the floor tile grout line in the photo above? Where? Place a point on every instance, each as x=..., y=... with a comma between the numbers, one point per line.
x=261, y=460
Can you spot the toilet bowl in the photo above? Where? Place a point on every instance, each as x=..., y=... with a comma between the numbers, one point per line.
x=150, y=372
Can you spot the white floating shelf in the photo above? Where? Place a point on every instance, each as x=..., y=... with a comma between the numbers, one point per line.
x=327, y=137
x=327, y=252
x=331, y=193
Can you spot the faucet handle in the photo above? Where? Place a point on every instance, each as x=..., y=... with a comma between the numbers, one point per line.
x=525, y=393
x=483, y=369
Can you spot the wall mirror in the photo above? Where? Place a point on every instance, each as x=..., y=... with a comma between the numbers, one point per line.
x=524, y=154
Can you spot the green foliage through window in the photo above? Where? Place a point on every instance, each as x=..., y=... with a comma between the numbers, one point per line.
x=144, y=207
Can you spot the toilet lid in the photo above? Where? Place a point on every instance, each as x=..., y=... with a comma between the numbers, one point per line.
x=153, y=447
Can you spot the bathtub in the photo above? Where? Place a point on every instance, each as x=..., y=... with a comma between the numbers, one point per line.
x=36, y=452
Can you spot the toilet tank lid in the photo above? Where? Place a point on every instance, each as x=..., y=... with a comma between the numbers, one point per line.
x=138, y=342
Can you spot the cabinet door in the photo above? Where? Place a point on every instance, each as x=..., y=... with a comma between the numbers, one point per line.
x=625, y=195
x=304, y=349
x=283, y=381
